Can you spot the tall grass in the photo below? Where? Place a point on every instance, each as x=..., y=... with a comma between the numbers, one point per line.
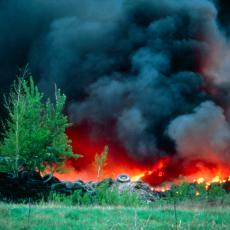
x=102, y=196
x=57, y=217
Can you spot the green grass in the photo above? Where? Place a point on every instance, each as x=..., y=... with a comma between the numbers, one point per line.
x=51, y=216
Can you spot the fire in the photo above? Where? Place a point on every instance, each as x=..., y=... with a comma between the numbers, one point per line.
x=159, y=173
x=199, y=180
x=137, y=177
x=157, y=169
x=216, y=179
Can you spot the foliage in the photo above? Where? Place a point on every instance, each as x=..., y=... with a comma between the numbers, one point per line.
x=59, y=199
x=195, y=192
x=100, y=161
x=112, y=196
x=216, y=191
x=103, y=196
x=35, y=130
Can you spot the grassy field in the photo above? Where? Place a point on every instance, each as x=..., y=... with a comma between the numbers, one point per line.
x=50, y=216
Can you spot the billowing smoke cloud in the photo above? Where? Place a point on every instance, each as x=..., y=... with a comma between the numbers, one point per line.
x=160, y=80
x=150, y=70
x=203, y=134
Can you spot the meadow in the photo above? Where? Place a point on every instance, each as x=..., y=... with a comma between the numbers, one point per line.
x=162, y=214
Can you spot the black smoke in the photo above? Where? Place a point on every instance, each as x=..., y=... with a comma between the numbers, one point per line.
x=139, y=65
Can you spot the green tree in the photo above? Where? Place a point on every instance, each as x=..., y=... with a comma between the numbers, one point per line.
x=34, y=133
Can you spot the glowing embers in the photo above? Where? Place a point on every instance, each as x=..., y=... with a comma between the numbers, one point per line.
x=208, y=182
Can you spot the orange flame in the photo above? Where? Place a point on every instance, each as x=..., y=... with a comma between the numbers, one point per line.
x=160, y=175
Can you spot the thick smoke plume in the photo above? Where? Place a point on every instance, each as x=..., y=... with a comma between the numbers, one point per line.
x=152, y=76
x=203, y=134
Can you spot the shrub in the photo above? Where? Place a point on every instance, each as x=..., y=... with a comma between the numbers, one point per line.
x=216, y=191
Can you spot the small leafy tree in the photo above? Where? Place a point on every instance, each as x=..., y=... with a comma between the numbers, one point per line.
x=34, y=133
x=100, y=161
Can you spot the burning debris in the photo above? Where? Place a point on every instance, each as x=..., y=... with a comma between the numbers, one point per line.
x=29, y=185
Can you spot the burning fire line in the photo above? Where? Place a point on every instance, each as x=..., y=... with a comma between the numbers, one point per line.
x=158, y=171
x=160, y=175
x=200, y=180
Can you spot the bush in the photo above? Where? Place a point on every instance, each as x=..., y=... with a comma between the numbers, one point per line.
x=216, y=191
x=188, y=191
x=196, y=192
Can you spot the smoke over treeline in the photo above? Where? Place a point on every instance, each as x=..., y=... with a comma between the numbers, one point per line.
x=151, y=75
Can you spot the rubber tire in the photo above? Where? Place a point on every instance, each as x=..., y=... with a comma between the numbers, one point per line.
x=123, y=178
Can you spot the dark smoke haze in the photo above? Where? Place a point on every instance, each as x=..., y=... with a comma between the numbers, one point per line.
x=157, y=72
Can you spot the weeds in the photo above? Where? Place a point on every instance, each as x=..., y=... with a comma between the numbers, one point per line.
x=184, y=194
x=103, y=196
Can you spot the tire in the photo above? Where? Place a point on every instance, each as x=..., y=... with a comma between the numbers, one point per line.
x=123, y=178
x=58, y=186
